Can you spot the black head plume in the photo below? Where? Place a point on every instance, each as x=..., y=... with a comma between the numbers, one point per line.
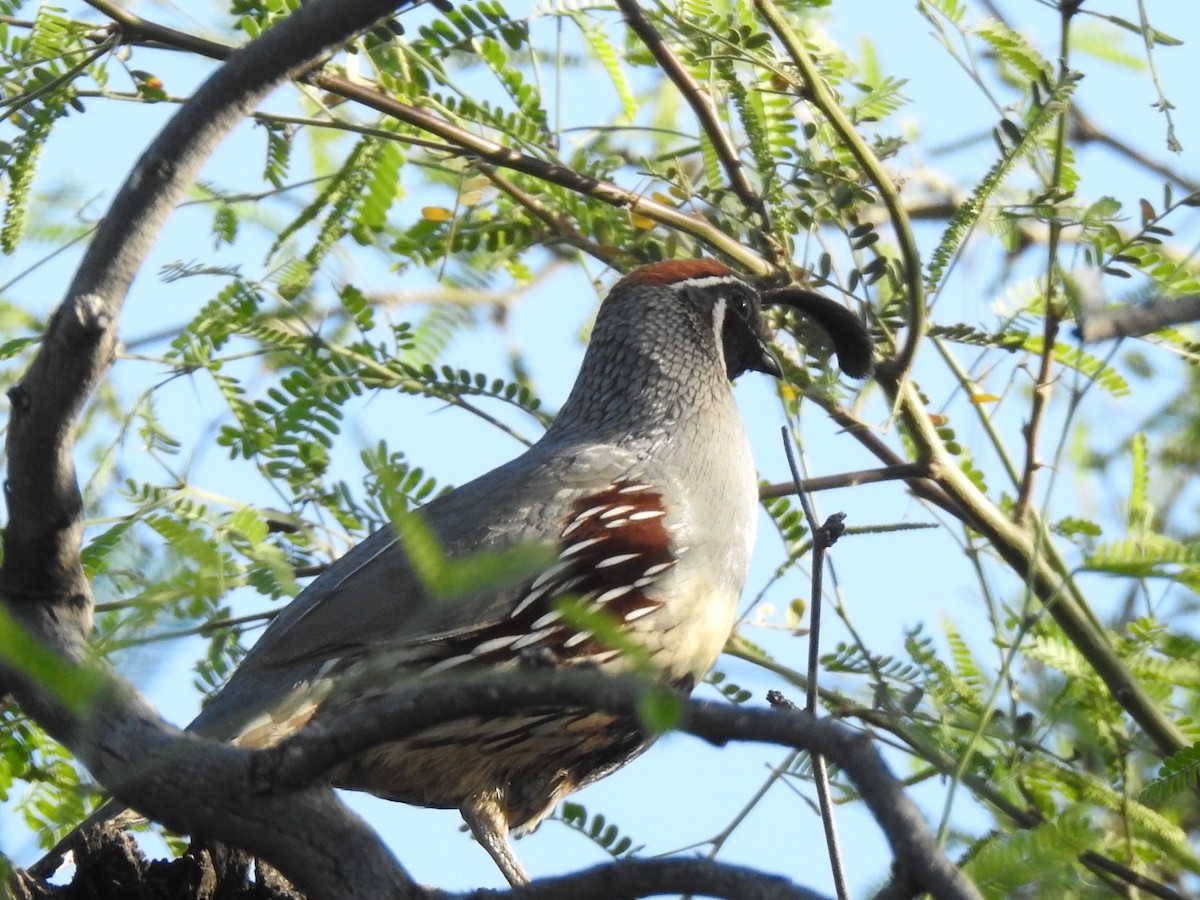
x=851, y=340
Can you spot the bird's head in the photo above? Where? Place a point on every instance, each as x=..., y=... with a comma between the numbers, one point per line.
x=709, y=297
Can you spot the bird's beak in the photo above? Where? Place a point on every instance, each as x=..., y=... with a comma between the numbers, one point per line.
x=851, y=340
x=767, y=361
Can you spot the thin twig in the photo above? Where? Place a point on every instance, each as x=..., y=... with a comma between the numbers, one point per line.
x=1044, y=383
x=356, y=128
x=1084, y=131
x=718, y=840
x=817, y=92
x=923, y=485
x=1103, y=864
x=704, y=109
x=1039, y=402
x=823, y=537
x=558, y=225
x=134, y=28
x=897, y=472
x=915, y=740
x=208, y=627
x=506, y=157
x=463, y=140
x=967, y=383
x=837, y=863
x=82, y=236
x=16, y=104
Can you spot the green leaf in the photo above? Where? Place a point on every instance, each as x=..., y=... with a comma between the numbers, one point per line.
x=598, y=829
x=9, y=349
x=1139, y=513
x=95, y=555
x=660, y=710
x=382, y=190
x=1039, y=118
x=1039, y=862
x=248, y=523
x=1014, y=49
x=74, y=686
x=1179, y=772
x=607, y=55
x=713, y=177
x=1154, y=34
x=1105, y=43
x=21, y=168
x=466, y=576
x=1102, y=210
x=1071, y=526
x=1143, y=556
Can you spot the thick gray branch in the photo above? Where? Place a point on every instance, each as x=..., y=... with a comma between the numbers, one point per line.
x=42, y=536
x=310, y=836
x=652, y=878
x=307, y=755
x=1137, y=320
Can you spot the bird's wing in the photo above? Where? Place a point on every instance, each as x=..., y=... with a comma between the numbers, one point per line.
x=371, y=606
x=371, y=600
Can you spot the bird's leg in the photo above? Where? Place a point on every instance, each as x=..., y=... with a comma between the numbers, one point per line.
x=490, y=827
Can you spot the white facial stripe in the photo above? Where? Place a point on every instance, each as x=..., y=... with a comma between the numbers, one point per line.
x=704, y=281
x=719, y=321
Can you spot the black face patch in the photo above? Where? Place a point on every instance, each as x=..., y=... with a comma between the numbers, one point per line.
x=741, y=332
x=733, y=309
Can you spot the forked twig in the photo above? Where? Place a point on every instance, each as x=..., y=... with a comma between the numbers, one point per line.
x=823, y=536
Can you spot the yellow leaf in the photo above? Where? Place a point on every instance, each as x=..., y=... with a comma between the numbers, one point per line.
x=436, y=213
x=640, y=222
x=470, y=198
x=794, y=615
x=984, y=398
x=662, y=198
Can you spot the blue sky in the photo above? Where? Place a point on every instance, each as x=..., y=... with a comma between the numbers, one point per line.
x=681, y=792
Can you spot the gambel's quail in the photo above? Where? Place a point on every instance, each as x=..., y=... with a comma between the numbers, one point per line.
x=645, y=487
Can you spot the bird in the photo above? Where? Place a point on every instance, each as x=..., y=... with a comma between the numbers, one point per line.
x=644, y=489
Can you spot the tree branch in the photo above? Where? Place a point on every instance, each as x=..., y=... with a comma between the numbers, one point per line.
x=200, y=787
x=118, y=735
x=899, y=471
x=1135, y=321
x=651, y=877
x=380, y=719
x=704, y=109
x=135, y=29
x=1085, y=131
x=1035, y=559
x=508, y=158
x=817, y=92
x=560, y=226
x=488, y=150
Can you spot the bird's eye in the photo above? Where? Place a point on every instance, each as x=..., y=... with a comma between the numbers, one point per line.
x=740, y=305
